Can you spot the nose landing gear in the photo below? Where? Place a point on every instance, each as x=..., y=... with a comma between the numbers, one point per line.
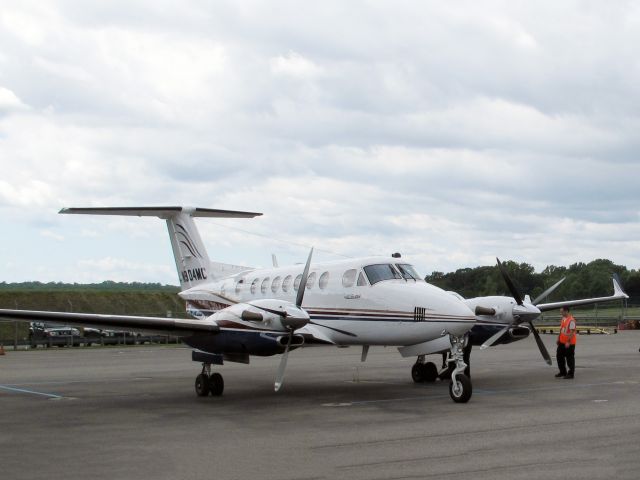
x=460, y=388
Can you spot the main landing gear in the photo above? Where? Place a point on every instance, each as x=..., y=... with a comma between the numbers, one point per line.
x=424, y=372
x=455, y=366
x=208, y=383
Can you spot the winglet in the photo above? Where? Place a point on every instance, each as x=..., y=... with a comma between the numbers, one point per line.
x=617, y=288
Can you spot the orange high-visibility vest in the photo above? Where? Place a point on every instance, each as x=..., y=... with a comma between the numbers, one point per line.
x=568, y=330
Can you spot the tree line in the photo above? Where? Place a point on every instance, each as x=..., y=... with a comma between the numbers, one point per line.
x=106, y=286
x=583, y=280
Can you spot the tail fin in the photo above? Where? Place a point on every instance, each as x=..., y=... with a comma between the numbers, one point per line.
x=192, y=260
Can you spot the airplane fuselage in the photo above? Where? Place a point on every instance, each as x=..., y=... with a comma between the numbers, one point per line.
x=368, y=301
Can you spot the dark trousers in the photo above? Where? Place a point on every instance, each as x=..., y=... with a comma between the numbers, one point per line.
x=566, y=354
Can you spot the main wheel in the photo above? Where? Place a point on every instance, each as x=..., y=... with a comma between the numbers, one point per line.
x=460, y=390
x=417, y=373
x=429, y=372
x=216, y=384
x=202, y=385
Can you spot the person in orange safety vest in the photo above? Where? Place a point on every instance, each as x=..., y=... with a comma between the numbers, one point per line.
x=566, y=344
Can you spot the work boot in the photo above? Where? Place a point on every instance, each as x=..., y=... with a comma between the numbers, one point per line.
x=568, y=376
x=561, y=375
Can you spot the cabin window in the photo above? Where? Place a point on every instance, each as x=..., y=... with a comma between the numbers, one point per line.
x=311, y=279
x=254, y=286
x=349, y=278
x=296, y=282
x=408, y=271
x=362, y=282
x=265, y=284
x=286, y=283
x=380, y=272
x=239, y=286
x=275, y=285
x=324, y=280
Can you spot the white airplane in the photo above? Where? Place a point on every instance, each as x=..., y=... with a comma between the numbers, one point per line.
x=242, y=311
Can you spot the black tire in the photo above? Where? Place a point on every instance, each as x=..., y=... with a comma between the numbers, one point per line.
x=465, y=390
x=417, y=373
x=202, y=385
x=429, y=372
x=216, y=384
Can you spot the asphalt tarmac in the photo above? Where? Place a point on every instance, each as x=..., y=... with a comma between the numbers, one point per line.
x=131, y=412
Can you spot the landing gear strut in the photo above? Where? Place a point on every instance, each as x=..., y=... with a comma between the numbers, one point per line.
x=460, y=387
x=208, y=383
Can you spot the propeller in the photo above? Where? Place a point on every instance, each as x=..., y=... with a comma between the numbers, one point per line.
x=292, y=323
x=526, y=313
x=548, y=291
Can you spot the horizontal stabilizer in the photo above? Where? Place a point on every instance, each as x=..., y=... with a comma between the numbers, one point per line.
x=160, y=212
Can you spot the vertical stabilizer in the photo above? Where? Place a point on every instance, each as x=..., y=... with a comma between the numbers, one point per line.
x=192, y=261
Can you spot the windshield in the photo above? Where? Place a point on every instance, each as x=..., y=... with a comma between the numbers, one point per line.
x=408, y=271
x=378, y=273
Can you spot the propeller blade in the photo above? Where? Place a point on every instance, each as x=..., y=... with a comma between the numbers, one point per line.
x=344, y=332
x=303, y=281
x=548, y=291
x=283, y=364
x=275, y=312
x=494, y=338
x=543, y=349
x=510, y=285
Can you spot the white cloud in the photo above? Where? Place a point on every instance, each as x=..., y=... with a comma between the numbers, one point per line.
x=455, y=133
x=9, y=101
x=295, y=65
x=52, y=235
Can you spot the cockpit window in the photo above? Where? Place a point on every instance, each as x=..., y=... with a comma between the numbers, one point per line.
x=408, y=271
x=361, y=281
x=383, y=271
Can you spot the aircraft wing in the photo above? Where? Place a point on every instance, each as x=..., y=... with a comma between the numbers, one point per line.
x=618, y=294
x=314, y=335
x=165, y=326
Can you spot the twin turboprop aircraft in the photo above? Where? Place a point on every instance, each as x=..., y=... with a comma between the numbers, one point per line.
x=242, y=311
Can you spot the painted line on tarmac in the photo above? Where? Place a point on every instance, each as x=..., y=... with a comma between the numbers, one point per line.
x=564, y=386
x=30, y=392
x=478, y=392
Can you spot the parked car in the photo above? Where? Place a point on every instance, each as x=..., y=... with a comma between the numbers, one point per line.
x=60, y=336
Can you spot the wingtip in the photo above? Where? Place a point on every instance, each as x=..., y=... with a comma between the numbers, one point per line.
x=617, y=287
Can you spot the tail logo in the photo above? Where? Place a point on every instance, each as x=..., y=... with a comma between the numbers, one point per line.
x=187, y=242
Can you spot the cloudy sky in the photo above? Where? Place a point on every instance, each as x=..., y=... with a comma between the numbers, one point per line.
x=453, y=132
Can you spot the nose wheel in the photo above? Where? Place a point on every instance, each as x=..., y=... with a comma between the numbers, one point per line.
x=209, y=383
x=460, y=388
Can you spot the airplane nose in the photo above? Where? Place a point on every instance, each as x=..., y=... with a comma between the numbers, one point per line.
x=462, y=317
